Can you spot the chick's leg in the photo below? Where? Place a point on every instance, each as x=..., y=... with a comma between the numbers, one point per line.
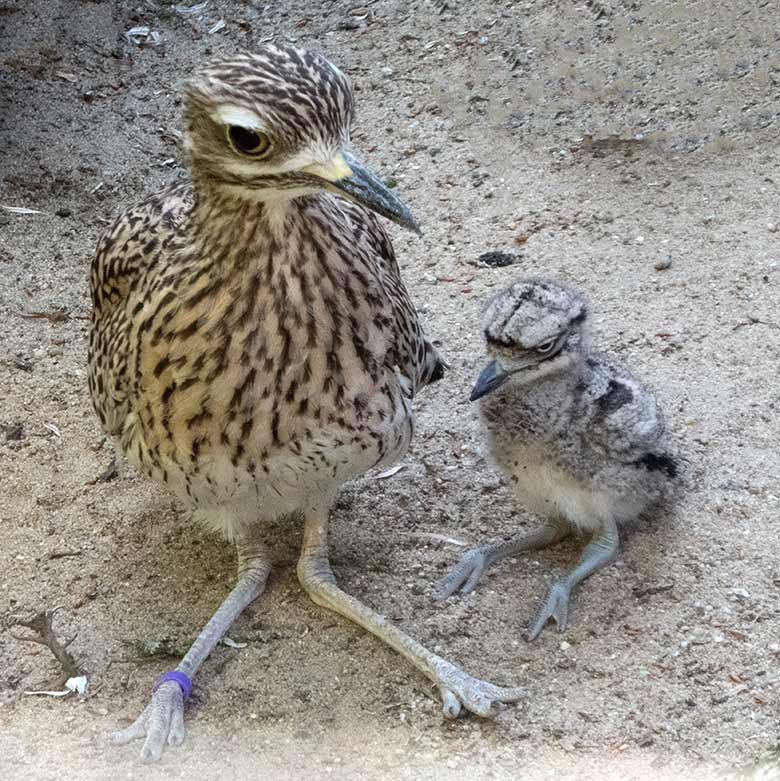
x=457, y=688
x=602, y=548
x=162, y=721
x=467, y=572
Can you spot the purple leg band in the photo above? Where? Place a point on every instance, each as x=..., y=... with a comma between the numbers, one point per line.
x=174, y=675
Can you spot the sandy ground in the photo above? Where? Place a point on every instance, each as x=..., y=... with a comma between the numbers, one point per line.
x=594, y=141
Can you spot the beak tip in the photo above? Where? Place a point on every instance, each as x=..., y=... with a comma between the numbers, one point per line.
x=491, y=378
x=366, y=189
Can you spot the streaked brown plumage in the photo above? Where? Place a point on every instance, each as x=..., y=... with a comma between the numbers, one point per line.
x=253, y=346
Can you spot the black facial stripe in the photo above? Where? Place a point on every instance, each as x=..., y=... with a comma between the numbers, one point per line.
x=495, y=341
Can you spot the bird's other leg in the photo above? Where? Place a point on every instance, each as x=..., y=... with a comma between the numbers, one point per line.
x=116, y=469
x=458, y=689
x=163, y=718
x=602, y=548
x=467, y=572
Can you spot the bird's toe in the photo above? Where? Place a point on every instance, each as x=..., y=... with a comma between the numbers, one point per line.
x=460, y=691
x=161, y=723
x=135, y=731
x=464, y=575
x=176, y=731
x=555, y=607
x=450, y=704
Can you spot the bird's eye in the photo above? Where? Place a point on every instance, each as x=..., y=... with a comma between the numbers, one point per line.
x=247, y=141
x=545, y=347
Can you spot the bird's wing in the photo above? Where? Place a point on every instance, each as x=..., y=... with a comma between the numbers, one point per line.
x=625, y=419
x=412, y=352
x=126, y=250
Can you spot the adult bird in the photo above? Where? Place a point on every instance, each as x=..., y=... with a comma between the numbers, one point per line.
x=253, y=347
x=580, y=439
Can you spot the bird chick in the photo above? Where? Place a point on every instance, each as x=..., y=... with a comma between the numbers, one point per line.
x=253, y=346
x=580, y=439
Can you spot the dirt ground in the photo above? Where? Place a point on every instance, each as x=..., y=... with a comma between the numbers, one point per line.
x=597, y=142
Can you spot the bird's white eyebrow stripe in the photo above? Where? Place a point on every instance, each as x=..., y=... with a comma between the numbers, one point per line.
x=227, y=114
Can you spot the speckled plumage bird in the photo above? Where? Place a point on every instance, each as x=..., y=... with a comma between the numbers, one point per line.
x=253, y=346
x=580, y=439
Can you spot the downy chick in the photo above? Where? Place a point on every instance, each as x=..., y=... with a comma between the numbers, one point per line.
x=579, y=438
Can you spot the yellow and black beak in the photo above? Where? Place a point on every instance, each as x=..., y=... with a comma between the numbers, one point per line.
x=347, y=176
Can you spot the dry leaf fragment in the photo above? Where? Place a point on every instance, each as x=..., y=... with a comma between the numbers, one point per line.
x=389, y=472
x=19, y=210
x=57, y=316
x=191, y=10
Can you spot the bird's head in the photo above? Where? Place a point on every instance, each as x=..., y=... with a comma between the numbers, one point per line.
x=275, y=124
x=533, y=329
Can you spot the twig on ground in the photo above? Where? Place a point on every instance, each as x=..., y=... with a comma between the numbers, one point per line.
x=42, y=628
x=754, y=321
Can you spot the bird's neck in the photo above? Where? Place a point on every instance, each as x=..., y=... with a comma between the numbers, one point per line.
x=546, y=392
x=231, y=220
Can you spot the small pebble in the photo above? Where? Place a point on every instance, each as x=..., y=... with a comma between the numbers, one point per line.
x=565, y=646
x=662, y=265
x=349, y=23
x=497, y=259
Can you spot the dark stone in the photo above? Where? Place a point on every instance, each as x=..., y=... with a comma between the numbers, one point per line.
x=497, y=259
x=14, y=432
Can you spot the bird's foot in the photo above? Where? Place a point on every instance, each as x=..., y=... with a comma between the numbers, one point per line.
x=464, y=575
x=111, y=472
x=555, y=607
x=162, y=721
x=460, y=690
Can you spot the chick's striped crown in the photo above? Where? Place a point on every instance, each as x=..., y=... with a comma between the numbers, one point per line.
x=529, y=312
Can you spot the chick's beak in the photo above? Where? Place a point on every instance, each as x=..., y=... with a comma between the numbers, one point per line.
x=347, y=176
x=492, y=377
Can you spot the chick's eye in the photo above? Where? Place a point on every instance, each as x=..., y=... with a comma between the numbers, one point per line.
x=545, y=347
x=248, y=141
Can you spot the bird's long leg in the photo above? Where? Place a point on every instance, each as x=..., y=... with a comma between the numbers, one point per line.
x=163, y=718
x=602, y=548
x=457, y=688
x=467, y=572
